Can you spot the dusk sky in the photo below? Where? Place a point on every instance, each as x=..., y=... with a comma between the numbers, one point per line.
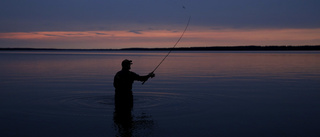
x=157, y=23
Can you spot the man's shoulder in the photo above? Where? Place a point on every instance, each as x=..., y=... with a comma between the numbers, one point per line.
x=119, y=72
x=133, y=74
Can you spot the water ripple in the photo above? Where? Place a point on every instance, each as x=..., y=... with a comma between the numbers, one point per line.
x=99, y=105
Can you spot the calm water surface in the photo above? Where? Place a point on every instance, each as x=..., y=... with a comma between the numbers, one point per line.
x=67, y=94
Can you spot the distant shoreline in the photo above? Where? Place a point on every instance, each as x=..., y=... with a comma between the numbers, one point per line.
x=213, y=48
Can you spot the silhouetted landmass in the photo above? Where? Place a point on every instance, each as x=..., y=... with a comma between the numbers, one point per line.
x=214, y=48
x=235, y=48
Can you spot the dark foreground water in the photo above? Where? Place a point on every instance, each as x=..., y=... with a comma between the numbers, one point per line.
x=70, y=94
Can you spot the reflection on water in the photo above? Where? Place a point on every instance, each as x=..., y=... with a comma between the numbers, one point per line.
x=128, y=125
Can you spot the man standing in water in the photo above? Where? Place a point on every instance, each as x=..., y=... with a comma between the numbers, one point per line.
x=123, y=81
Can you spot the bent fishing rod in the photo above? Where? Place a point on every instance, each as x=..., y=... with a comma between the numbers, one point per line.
x=185, y=29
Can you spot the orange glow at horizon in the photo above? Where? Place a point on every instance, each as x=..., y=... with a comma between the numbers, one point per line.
x=160, y=38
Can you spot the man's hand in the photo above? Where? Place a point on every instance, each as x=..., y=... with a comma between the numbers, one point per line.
x=151, y=75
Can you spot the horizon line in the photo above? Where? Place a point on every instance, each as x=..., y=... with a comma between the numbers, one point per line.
x=247, y=47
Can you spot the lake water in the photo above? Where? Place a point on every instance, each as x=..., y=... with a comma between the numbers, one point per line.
x=70, y=94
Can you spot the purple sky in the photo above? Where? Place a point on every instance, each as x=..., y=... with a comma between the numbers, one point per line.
x=157, y=23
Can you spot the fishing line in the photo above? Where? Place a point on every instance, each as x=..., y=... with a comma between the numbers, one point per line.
x=185, y=29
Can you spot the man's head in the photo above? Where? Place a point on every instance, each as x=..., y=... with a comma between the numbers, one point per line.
x=126, y=64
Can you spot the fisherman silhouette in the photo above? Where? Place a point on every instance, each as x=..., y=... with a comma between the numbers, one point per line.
x=123, y=81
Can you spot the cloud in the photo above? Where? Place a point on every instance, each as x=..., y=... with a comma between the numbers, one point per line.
x=99, y=33
x=136, y=31
x=164, y=38
x=53, y=35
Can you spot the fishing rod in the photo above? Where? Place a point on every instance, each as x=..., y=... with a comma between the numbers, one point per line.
x=185, y=29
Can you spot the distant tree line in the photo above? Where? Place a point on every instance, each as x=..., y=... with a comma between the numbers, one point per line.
x=213, y=48
x=234, y=48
